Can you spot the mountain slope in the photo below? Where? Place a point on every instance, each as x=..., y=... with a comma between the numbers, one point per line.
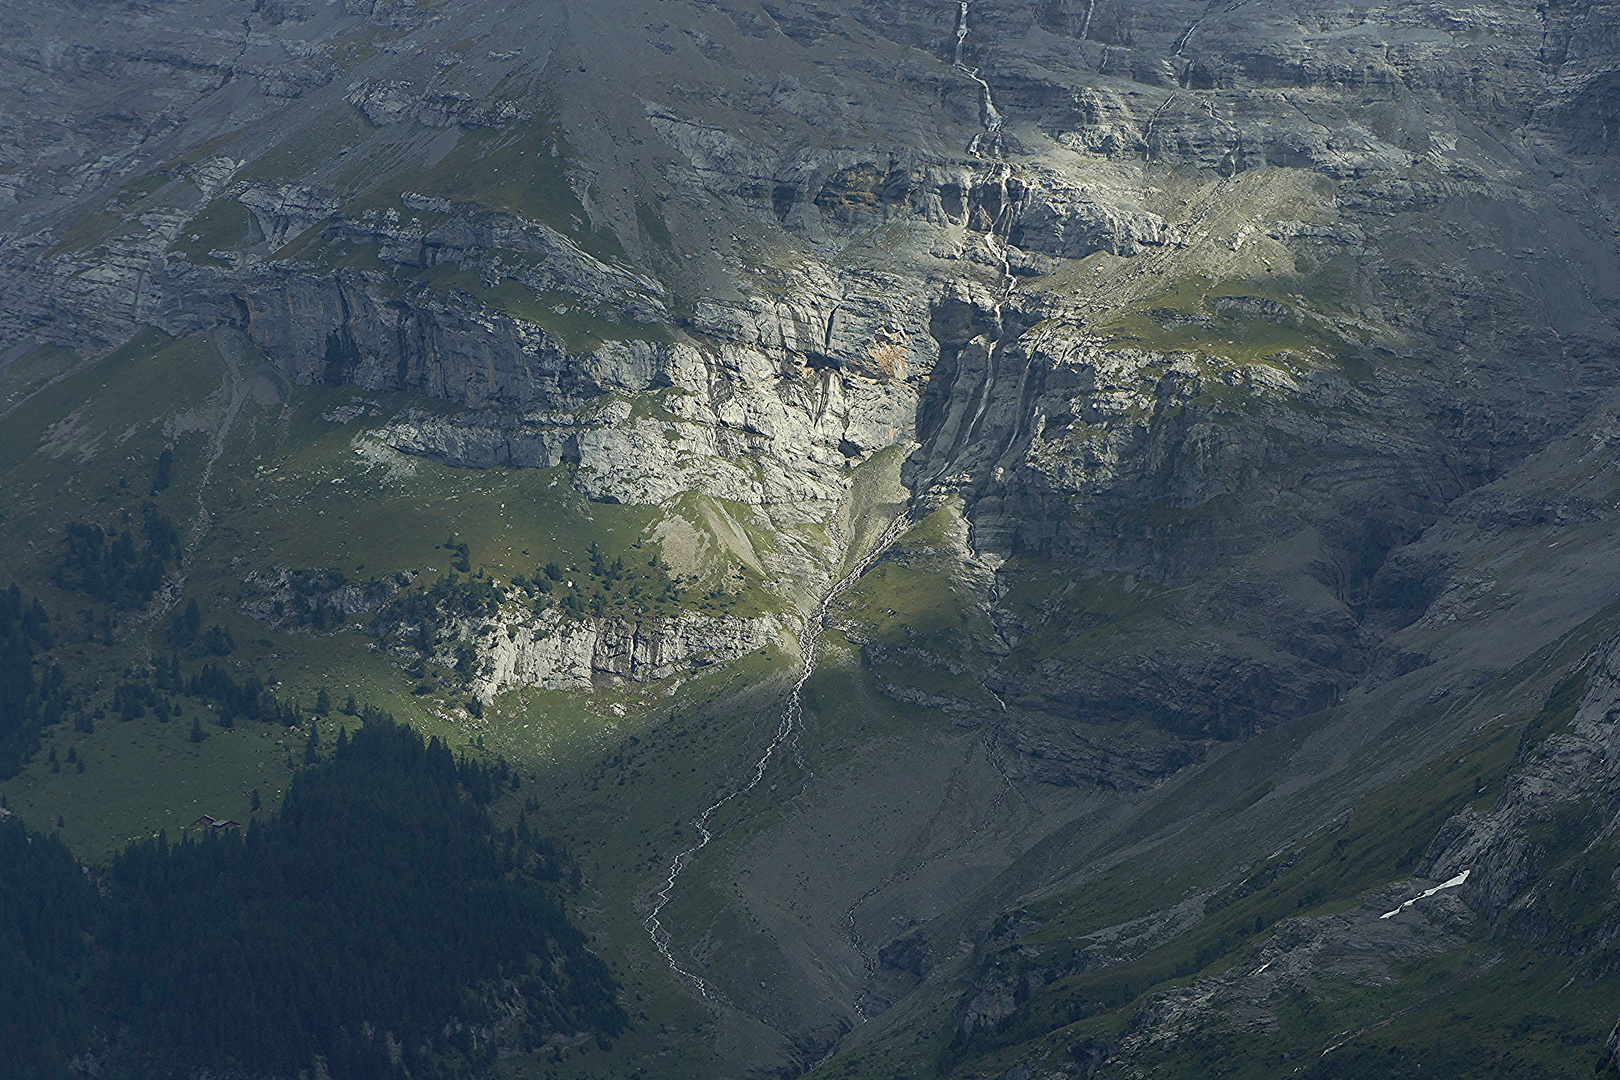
x=534, y=369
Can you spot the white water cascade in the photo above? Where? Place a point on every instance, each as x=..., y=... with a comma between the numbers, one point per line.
x=792, y=720
x=993, y=119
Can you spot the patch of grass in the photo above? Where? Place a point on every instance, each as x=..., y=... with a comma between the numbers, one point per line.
x=1067, y=615
x=144, y=187
x=657, y=232
x=301, y=154
x=1380, y=842
x=846, y=711
x=222, y=225
x=329, y=253
x=30, y=373
x=142, y=776
x=92, y=228
x=564, y=316
x=521, y=169
x=70, y=424
x=1478, y=1013
x=923, y=630
x=1558, y=712
x=1222, y=322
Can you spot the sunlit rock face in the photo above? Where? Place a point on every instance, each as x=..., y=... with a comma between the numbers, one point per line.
x=1235, y=344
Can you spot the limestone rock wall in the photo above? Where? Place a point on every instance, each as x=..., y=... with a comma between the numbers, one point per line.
x=552, y=652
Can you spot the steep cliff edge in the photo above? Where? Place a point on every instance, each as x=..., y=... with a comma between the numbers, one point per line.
x=1248, y=370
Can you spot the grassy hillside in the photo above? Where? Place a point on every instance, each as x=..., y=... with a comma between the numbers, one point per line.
x=260, y=478
x=177, y=701
x=1490, y=1002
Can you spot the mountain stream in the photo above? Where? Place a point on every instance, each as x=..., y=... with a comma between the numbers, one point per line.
x=792, y=720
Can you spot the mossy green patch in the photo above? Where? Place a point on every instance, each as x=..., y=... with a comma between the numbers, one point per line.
x=223, y=225
x=142, y=776
x=88, y=230
x=578, y=324
x=923, y=628
x=520, y=169
x=1477, y=1012
x=656, y=231
x=78, y=421
x=1086, y=615
x=1223, y=321
x=1555, y=716
x=302, y=153
x=1379, y=842
x=27, y=375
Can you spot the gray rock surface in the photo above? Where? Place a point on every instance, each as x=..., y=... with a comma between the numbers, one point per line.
x=1258, y=352
x=554, y=653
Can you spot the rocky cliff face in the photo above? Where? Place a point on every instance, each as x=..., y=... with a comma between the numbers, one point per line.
x=1530, y=856
x=556, y=655
x=1198, y=271
x=1238, y=345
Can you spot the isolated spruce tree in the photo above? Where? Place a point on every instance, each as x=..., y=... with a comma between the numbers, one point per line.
x=185, y=626
x=162, y=472
x=219, y=641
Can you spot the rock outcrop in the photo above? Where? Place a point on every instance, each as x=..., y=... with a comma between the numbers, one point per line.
x=1252, y=347
x=554, y=653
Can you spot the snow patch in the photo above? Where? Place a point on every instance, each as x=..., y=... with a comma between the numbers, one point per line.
x=1449, y=884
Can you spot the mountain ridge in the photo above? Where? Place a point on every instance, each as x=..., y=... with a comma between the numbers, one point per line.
x=1247, y=372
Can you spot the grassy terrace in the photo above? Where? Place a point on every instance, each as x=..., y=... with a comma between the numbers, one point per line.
x=277, y=487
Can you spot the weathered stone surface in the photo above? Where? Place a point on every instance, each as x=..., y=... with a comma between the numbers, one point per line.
x=1278, y=337
x=556, y=653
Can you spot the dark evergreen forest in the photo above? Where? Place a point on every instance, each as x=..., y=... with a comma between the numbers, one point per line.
x=27, y=700
x=113, y=569
x=379, y=923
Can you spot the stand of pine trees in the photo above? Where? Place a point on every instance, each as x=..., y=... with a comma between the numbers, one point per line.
x=379, y=924
x=28, y=700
